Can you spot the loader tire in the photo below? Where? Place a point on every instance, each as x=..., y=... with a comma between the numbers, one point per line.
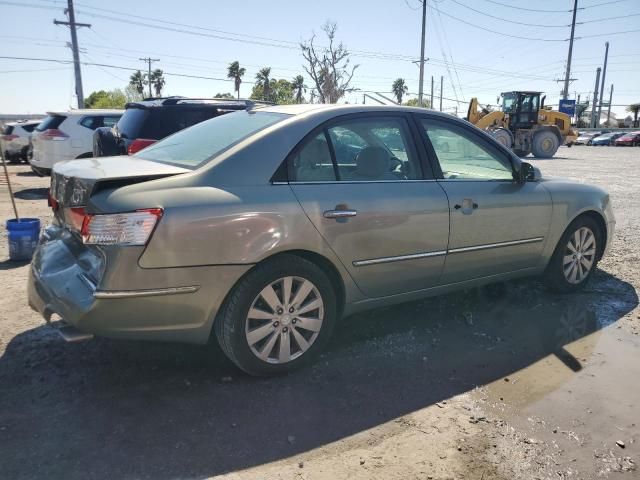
x=545, y=144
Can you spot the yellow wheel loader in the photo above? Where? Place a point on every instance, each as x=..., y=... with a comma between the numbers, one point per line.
x=524, y=124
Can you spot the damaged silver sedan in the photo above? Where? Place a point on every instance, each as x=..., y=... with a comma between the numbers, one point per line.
x=261, y=228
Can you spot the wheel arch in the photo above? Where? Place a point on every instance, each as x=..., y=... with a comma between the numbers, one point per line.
x=317, y=259
x=600, y=221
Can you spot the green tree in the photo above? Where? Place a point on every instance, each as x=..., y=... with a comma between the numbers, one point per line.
x=263, y=81
x=157, y=81
x=236, y=73
x=634, y=108
x=399, y=89
x=106, y=99
x=280, y=91
x=225, y=96
x=138, y=80
x=298, y=86
x=413, y=102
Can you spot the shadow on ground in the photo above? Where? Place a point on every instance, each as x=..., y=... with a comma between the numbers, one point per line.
x=11, y=264
x=107, y=409
x=32, y=194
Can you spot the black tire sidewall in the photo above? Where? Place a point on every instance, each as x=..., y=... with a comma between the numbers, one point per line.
x=537, y=140
x=554, y=274
x=234, y=314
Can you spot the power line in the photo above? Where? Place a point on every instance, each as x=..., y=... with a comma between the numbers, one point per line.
x=507, y=20
x=501, y=33
x=517, y=7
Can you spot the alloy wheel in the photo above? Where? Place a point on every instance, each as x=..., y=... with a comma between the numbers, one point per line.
x=284, y=320
x=579, y=256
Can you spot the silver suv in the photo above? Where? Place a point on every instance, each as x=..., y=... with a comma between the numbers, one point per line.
x=261, y=228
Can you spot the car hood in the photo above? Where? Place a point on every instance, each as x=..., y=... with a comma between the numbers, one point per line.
x=73, y=182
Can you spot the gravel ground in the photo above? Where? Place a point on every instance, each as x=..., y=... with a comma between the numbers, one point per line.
x=501, y=383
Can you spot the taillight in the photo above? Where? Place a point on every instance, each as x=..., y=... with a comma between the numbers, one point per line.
x=53, y=134
x=8, y=138
x=138, y=144
x=132, y=228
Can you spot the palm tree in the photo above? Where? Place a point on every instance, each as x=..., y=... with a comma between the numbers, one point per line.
x=263, y=80
x=399, y=89
x=157, y=80
x=298, y=86
x=236, y=73
x=634, y=108
x=138, y=81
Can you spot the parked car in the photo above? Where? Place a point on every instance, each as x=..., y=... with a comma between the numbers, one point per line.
x=148, y=121
x=585, y=138
x=261, y=228
x=606, y=138
x=66, y=136
x=630, y=139
x=14, y=140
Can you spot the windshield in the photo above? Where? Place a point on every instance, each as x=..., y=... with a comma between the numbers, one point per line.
x=508, y=103
x=196, y=145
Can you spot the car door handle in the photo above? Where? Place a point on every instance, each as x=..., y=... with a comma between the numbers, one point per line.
x=339, y=213
x=466, y=204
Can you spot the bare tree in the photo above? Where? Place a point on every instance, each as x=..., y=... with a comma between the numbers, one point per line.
x=328, y=66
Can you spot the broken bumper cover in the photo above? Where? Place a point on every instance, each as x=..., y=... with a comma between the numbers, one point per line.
x=78, y=284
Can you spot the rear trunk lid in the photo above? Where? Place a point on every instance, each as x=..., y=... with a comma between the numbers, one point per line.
x=73, y=182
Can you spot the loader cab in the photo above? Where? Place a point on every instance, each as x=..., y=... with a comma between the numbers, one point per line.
x=522, y=108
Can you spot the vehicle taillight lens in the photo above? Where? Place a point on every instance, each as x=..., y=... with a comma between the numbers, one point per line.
x=138, y=144
x=132, y=228
x=8, y=138
x=53, y=134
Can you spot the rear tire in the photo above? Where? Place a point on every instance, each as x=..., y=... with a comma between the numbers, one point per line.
x=576, y=256
x=545, y=144
x=104, y=143
x=263, y=311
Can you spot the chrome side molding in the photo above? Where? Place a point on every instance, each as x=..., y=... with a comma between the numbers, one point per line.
x=106, y=294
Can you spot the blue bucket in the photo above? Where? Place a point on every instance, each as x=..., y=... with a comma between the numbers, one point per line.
x=23, y=237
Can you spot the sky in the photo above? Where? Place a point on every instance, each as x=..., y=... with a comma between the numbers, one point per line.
x=473, y=44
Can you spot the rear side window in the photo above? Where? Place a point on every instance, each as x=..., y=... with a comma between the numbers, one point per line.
x=313, y=162
x=29, y=127
x=51, y=122
x=91, y=122
x=8, y=130
x=110, y=121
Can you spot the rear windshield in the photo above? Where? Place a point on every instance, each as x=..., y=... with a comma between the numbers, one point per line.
x=194, y=146
x=52, y=121
x=157, y=123
x=8, y=130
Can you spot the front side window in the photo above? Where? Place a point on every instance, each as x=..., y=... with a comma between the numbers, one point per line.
x=91, y=122
x=109, y=121
x=366, y=149
x=464, y=157
x=196, y=145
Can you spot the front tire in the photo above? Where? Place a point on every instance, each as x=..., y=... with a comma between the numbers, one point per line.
x=575, y=257
x=278, y=317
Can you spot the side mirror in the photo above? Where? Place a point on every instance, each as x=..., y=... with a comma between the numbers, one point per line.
x=528, y=173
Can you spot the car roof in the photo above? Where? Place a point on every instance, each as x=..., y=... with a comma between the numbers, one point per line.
x=88, y=111
x=316, y=108
x=177, y=101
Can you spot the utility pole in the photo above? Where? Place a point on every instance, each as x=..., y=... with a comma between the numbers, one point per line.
x=609, y=109
x=592, y=123
x=441, y=84
x=431, y=104
x=149, y=60
x=604, y=74
x=74, y=46
x=565, y=91
x=424, y=22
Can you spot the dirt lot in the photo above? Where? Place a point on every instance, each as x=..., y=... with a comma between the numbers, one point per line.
x=503, y=383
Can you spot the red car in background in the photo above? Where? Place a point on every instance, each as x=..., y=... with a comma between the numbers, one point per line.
x=630, y=139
